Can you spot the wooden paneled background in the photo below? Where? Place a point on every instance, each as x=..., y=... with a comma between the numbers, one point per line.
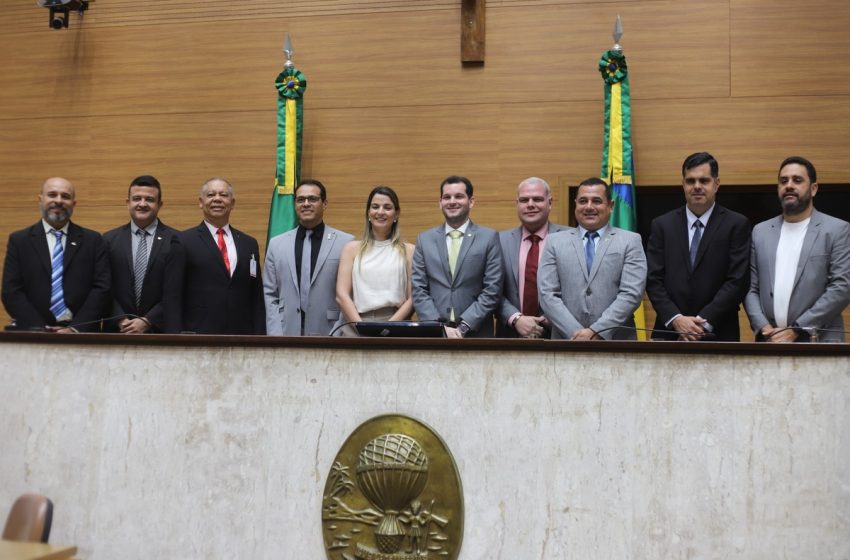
x=184, y=91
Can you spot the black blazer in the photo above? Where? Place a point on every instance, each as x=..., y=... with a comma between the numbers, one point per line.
x=717, y=284
x=199, y=295
x=119, y=243
x=27, y=274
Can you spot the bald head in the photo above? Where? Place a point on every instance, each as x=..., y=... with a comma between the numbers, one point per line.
x=56, y=201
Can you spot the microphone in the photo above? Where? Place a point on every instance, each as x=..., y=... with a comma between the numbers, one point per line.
x=706, y=336
x=52, y=328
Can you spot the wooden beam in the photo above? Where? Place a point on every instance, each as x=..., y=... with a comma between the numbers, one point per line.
x=472, y=32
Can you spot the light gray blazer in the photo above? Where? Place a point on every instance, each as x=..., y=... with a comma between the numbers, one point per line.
x=475, y=290
x=510, y=241
x=282, y=292
x=822, y=285
x=605, y=297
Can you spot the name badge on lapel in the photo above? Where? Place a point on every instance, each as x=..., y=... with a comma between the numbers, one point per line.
x=253, y=266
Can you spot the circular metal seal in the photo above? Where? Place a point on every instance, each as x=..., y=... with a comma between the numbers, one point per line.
x=393, y=493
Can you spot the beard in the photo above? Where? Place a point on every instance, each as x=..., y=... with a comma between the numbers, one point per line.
x=794, y=206
x=56, y=219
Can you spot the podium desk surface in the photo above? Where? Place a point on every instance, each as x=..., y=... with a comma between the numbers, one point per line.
x=13, y=550
x=442, y=344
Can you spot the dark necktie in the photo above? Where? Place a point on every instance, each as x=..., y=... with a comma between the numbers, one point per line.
x=222, y=246
x=140, y=264
x=306, y=258
x=530, y=304
x=590, y=249
x=695, y=241
x=57, y=292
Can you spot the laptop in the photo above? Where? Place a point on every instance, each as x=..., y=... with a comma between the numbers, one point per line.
x=415, y=329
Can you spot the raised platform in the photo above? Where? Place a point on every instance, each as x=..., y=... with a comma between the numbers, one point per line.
x=218, y=447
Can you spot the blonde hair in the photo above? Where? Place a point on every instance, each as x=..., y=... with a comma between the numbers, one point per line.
x=395, y=235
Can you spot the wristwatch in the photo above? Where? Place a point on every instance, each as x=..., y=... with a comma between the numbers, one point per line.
x=463, y=328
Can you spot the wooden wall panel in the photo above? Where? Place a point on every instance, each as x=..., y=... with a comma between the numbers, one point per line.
x=790, y=48
x=545, y=54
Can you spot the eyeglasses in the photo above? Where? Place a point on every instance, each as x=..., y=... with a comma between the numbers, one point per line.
x=307, y=199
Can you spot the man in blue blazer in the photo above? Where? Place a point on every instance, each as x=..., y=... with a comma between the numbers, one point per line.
x=800, y=265
x=213, y=281
x=519, y=312
x=457, y=267
x=56, y=274
x=138, y=252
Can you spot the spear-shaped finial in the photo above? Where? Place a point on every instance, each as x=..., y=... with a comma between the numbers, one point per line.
x=288, y=51
x=618, y=33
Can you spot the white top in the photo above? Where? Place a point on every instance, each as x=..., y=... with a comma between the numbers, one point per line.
x=379, y=278
x=787, y=257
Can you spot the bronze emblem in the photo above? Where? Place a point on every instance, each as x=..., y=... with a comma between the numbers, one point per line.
x=393, y=493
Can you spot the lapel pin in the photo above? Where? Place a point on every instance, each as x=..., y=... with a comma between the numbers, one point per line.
x=158, y=238
x=74, y=243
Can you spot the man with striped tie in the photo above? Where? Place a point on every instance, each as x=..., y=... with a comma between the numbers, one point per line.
x=138, y=251
x=56, y=274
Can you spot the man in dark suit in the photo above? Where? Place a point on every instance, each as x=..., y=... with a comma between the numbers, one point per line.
x=137, y=254
x=698, y=258
x=457, y=267
x=519, y=312
x=213, y=281
x=56, y=274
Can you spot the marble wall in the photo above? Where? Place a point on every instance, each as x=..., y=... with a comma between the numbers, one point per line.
x=222, y=452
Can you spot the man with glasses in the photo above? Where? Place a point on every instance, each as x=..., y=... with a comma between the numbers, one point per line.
x=299, y=276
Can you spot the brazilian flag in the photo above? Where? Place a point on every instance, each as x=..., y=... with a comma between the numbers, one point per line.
x=290, y=85
x=618, y=166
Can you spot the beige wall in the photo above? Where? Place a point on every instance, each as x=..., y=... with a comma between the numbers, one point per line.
x=185, y=91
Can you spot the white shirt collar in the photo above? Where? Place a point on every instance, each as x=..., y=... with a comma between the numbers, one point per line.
x=693, y=217
x=49, y=229
x=462, y=229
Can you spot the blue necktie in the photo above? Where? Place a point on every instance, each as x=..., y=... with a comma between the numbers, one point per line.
x=695, y=241
x=57, y=293
x=590, y=248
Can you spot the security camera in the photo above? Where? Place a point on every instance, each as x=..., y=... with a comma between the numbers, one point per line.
x=60, y=10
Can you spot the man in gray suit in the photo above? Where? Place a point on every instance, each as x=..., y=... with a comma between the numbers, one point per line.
x=457, y=267
x=591, y=278
x=519, y=313
x=800, y=265
x=299, y=276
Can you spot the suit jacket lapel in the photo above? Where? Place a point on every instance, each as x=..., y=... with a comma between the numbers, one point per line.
x=812, y=232
x=578, y=247
x=682, y=238
x=708, y=233
x=601, y=248
x=72, y=245
x=772, y=243
x=207, y=240
x=324, y=251
x=465, y=247
x=513, y=252
x=157, y=244
x=39, y=243
x=443, y=251
x=289, y=247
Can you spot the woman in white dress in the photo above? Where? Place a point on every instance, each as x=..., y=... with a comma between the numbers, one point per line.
x=373, y=281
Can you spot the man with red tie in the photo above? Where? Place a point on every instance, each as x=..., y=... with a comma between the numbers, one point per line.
x=519, y=313
x=213, y=280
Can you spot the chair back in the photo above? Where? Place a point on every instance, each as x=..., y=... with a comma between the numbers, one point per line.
x=29, y=519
